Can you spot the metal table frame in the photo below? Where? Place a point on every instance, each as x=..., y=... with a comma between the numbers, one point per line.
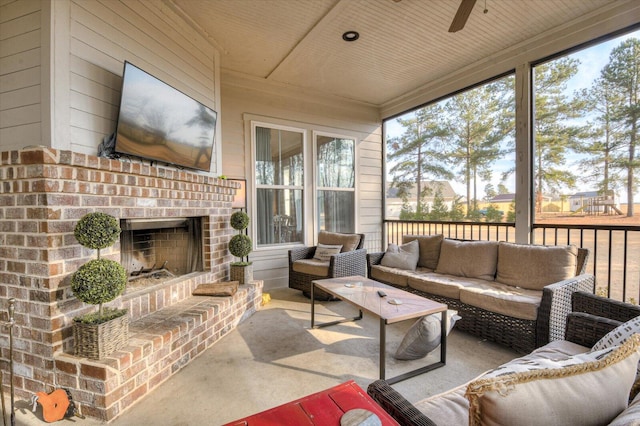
x=383, y=340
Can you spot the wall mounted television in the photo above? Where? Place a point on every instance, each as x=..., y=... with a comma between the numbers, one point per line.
x=158, y=122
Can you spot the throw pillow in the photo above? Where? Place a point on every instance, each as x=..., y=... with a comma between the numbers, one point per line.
x=429, y=249
x=424, y=336
x=471, y=259
x=618, y=335
x=586, y=389
x=402, y=257
x=325, y=251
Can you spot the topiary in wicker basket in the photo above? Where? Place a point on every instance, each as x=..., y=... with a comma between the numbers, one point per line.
x=240, y=246
x=97, y=282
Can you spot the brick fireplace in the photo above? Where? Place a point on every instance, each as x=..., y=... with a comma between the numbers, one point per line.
x=163, y=212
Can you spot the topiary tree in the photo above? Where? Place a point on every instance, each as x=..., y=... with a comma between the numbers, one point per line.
x=100, y=280
x=240, y=244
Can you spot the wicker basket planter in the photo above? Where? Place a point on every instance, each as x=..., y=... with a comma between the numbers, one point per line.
x=241, y=273
x=96, y=341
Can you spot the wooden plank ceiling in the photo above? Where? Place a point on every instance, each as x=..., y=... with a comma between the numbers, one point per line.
x=403, y=44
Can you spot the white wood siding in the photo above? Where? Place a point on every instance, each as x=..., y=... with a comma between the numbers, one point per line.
x=61, y=67
x=20, y=71
x=105, y=33
x=246, y=100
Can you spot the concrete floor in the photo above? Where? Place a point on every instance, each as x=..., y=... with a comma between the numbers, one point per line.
x=274, y=357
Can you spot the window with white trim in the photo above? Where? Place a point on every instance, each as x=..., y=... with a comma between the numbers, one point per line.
x=279, y=177
x=335, y=181
x=294, y=192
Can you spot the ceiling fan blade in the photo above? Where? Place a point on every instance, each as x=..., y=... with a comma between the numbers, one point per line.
x=466, y=6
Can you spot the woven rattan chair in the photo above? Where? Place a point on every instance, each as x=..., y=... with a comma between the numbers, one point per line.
x=344, y=264
x=592, y=317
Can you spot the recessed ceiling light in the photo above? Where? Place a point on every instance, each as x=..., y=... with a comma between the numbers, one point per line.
x=350, y=36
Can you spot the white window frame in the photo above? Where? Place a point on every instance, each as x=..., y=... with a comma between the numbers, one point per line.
x=255, y=186
x=316, y=187
x=309, y=187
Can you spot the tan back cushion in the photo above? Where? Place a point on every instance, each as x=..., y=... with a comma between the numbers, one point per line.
x=429, y=249
x=584, y=389
x=349, y=242
x=535, y=266
x=471, y=259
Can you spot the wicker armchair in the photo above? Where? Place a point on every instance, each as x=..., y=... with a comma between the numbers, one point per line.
x=344, y=264
x=592, y=317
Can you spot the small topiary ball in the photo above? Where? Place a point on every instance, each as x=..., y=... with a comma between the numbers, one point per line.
x=239, y=220
x=97, y=230
x=99, y=281
x=240, y=245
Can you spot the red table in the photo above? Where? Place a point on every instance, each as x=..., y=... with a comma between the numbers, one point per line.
x=323, y=408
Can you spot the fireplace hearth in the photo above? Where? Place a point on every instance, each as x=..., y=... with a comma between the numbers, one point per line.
x=175, y=222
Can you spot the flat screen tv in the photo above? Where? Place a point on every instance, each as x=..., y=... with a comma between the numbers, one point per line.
x=158, y=122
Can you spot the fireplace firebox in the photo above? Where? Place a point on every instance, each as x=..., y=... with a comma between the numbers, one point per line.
x=153, y=250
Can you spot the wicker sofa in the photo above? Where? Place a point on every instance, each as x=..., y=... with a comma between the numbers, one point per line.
x=514, y=294
x=305, y=266
x=592, y=318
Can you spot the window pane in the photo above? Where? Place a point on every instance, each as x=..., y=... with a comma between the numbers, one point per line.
x=336, y=211
x=280, y=216
x=586, y=135
x=335, y=162
x=279, y=159
x=455, y=159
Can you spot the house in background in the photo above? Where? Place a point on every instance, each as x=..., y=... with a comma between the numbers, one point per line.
x=394, y=203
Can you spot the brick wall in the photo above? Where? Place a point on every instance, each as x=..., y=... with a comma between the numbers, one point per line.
x=43, y=193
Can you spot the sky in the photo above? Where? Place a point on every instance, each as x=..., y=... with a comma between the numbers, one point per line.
x=592, y=60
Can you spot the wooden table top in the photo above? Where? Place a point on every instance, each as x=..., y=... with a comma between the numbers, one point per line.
x=363, y=293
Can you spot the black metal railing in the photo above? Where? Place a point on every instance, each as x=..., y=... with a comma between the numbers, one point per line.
x=614, y=250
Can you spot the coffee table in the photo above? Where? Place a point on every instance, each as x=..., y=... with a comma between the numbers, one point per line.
x=324, y=408
x=362, y=293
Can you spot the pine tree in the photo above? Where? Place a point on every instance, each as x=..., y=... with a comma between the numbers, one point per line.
x=476, y=124
x=555, y=136
x=622, y=73
x=604, y=140
x=439, y=210
x=418, y=155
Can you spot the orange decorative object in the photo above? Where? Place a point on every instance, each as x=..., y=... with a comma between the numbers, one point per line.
x=54, y=404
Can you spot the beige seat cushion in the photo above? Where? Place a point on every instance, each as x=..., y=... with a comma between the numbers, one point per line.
x=448, y=408
x=503, y=299
x=471, y=259
x=441, y=284
x=630, y=416
x=429, y=249
x=349, y=242
x=390, y=275
x=312, y=267
x=585, y=389
x=535, y=266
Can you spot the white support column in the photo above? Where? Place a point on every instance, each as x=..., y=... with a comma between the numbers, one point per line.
x=524, y=153
x=55, y=74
